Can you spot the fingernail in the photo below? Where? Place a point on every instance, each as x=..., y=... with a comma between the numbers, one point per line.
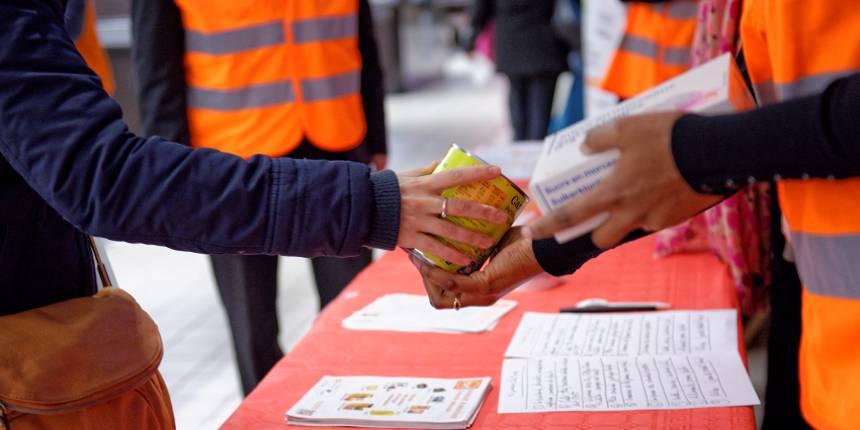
x=585, y=149
x=496, y=170
x=528, y=233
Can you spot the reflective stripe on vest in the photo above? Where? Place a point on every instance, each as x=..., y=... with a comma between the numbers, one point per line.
x=768, y=92
x=262, y=76
x=242, y=98
x=326, y=28
x=792, y=52
x=331, y=87
x=674, y=56
x=655, y=47
x=828, y=265
x=238, y=40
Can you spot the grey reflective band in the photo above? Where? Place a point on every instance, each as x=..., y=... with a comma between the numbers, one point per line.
x=638, y=45
x=328, y=28
x=331, y=87
x=677, y=57
x=829, y=265
x=233, y=41
x=682, y=9
x=242, y=98
x=647, y=48
x=768, y=92
x=765, y=93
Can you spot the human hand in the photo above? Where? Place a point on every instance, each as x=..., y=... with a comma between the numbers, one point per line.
x=510, y=267
x=644, y=190
x=379, y=161
x=421, y=205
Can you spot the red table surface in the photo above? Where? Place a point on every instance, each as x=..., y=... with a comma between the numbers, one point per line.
x=696, y=281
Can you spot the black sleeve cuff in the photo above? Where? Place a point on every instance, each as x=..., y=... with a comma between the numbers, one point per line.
x=385, y=218
x=690, y=144
x=565, y=258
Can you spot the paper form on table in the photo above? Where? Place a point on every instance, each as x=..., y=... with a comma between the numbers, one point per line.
x=624, y=361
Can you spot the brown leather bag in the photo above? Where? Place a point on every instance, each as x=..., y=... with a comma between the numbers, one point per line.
x=87, y=363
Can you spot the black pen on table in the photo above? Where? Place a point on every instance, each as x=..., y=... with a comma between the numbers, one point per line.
x=602, y=305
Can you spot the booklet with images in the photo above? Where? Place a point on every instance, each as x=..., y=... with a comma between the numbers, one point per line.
x=375, y=401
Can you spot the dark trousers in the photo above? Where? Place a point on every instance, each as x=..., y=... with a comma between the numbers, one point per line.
x=782, y=395
x=530, y=101
x=248, y=287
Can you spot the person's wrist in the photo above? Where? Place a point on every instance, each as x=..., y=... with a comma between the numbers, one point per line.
x=385, y=211
x=520, y=265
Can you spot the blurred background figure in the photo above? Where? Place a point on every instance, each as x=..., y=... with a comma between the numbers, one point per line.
x=529, y=52
x=81, y=25
x=225, y=75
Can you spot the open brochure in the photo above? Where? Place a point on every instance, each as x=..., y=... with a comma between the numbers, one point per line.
x=374, y=401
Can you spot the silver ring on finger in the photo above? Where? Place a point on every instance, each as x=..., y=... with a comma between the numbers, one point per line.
x=444, y=213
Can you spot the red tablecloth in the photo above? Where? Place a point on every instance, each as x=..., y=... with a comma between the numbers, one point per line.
x=628, y=273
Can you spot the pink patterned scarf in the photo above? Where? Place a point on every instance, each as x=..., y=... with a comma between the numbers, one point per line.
x=738, y=229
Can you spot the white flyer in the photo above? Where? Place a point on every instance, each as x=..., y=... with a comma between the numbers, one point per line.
x=413, y=313
x=624, y=361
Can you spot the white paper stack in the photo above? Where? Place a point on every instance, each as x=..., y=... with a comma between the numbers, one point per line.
x=564, y=173
x=373, y=401
x=413, y=313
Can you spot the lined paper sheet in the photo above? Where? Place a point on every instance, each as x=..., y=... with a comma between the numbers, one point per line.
x=624, y=361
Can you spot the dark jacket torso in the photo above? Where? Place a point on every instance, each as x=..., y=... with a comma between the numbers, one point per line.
x=43, y=258
x=525, y=42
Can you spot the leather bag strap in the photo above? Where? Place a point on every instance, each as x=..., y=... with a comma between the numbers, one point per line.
x=100, y=265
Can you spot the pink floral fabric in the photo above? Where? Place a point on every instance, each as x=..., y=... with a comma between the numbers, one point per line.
x=738, y=229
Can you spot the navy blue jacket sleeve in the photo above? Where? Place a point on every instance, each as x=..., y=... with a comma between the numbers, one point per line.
x=63, y=134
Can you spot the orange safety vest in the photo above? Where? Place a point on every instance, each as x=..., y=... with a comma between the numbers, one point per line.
x=795, y=49
x=655, y=47
x=264, y=75
x=81, y=24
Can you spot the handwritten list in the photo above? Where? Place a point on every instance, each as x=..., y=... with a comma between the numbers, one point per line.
x=624, y=361
x=624, y=334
